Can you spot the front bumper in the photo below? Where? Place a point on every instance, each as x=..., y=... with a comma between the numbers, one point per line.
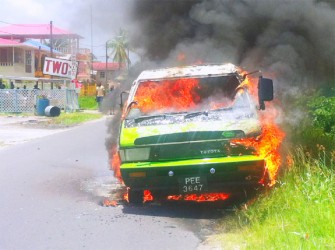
x=226, y=174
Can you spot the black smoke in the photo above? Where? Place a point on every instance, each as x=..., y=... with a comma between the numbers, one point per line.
x=294, y=41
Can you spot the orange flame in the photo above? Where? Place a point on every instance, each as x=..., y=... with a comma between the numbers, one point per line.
x=200, y=197
x=268, y=143
x=250, y=83
x=176, y=94
x=267, y=147
x=147, y=196
x=115, y=163
x=181, y=57
x=210, y=197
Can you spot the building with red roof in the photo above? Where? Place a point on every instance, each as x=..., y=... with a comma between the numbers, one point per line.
x=101, y=70
x=6, y=42
x=23, y=49
x=35, y=31
x=18, y=59
x=24, y=32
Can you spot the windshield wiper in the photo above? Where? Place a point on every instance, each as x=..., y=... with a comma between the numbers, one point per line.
x=194, y=114
x=143, y=118
x=164, y=116
x=222, y=109
x=206, y=112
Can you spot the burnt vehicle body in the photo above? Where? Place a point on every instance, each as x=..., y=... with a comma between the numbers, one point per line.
x=178, y=130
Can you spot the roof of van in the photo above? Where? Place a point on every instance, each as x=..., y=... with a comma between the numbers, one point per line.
x=189, y=71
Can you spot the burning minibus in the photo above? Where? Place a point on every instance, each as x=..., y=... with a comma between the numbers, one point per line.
x=183, y=131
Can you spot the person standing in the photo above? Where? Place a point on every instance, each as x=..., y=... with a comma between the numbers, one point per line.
x=100, y=93
x=2, y=86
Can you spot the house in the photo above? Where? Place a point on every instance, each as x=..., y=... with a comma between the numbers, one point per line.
x=22, y=52
x=84, y=65
x=22, y=32
x=106, y=72
x=16, y=57
x=22, y=56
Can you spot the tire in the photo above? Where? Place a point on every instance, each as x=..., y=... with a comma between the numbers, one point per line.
x=135, y=197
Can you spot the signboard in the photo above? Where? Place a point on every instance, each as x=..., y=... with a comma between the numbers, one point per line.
x=60, y=67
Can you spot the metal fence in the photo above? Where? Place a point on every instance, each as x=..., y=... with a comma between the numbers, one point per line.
x=25, y=100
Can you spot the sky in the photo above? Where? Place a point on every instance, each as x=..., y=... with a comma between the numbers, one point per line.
x=294, y=39
x=95, y=20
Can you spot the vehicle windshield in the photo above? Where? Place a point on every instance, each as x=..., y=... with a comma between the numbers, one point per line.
x=186, y=95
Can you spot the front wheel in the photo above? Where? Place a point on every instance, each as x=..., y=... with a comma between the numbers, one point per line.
x=135, y=196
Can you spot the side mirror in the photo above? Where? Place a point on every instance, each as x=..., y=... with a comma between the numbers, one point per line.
x=265, y=91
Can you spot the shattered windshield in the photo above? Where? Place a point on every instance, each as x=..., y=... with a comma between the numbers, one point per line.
x=187, y=95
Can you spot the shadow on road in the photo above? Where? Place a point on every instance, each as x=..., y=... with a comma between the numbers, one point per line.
x=162, y=207
x=184, y=209
x=180, y=208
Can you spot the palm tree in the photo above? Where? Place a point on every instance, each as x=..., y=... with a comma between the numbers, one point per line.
x=120, y=49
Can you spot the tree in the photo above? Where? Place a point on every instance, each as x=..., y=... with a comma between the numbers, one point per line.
x=58, y=44
x=120, y=49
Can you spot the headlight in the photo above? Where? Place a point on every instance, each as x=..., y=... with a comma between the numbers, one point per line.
x=135, y=154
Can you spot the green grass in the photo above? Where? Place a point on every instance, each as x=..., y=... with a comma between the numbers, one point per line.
x=87, y=102
x=299, y=213
x=74, y=118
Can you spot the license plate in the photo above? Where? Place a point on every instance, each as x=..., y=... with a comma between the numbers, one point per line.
x=194, y=184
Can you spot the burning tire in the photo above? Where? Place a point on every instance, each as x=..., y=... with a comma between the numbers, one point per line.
x=135, y=196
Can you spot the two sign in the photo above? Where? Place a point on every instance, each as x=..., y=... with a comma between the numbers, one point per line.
x=60, y=67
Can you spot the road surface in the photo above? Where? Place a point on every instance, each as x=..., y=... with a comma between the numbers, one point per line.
x=51, y=193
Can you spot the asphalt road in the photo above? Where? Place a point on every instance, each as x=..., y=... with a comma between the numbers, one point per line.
x=19, y=129
x=51, y=193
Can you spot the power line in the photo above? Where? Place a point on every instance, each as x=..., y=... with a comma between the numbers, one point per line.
x=5, y=22
x=25, y=25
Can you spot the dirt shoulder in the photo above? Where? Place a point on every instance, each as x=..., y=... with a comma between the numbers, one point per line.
x=20, y=129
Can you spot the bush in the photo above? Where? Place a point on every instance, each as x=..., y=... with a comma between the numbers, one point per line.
x=322, y=111
x=318, y=127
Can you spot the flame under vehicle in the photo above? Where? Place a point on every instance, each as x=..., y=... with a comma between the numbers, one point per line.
x=178, y=130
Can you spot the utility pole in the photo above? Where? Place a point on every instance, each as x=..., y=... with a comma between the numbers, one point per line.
x=73, y=59
x=51, y=40
x=51, y=50
x=106, y=62
x=128, y=58
x=91, y=68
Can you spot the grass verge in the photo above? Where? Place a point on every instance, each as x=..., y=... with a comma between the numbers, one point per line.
x=88, y=102
x=69, y=119
x=299, y=213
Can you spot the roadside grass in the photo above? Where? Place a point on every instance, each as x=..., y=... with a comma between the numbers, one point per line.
x=299, y=213
x=88, y=102
x=65, y=119
x=75, y=118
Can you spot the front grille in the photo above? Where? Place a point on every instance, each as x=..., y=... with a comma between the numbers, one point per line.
x=190, y=137
x=197, y=150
